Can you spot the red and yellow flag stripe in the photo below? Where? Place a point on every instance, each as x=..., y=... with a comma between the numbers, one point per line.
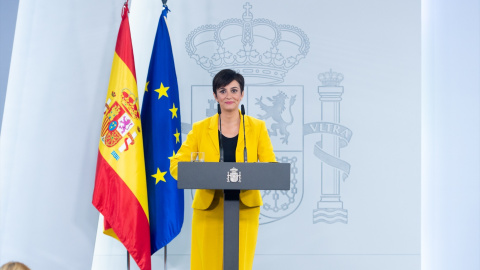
x=120, y=187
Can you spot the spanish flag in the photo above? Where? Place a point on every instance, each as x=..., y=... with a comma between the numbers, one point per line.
x=120, y=189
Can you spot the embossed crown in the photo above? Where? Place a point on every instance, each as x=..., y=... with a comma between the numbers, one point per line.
x=259, y=49
x=330, y=78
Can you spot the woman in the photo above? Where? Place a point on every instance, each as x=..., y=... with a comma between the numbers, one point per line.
x=207, y=221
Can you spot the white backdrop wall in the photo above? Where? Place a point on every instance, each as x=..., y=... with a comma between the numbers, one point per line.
x=367, y=217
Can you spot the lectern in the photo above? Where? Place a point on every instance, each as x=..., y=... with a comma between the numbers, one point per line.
x=233, y=177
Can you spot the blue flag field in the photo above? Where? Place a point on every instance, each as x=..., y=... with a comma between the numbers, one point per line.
x=161, y=135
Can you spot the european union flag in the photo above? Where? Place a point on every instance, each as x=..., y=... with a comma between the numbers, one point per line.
x=161, y=135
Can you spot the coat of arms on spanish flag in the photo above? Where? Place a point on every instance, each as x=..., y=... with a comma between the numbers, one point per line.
x=120, y=188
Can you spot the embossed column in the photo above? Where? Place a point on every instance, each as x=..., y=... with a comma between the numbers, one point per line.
x=330, y=98
x=330, y=206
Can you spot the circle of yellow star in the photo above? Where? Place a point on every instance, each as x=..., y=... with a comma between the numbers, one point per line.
x=172, y=155
x=174, y=111
x=146, y=87
x=177, y=136
x=162, y=91
x=159, y=176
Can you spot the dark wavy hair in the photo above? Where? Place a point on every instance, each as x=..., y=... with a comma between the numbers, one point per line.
x=225, y=77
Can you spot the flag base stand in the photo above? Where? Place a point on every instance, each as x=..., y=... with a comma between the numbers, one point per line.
x=165, y=257
x=128, y=261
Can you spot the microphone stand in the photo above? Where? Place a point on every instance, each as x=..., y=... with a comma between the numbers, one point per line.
x=244, y=138
x=220, y=136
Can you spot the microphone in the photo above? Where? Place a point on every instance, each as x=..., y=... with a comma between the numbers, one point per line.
x=244, y=138
x=220, y=136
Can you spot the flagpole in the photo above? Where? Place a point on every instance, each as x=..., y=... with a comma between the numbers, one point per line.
x=128, y=254
x=165, y=258
x=128, y=261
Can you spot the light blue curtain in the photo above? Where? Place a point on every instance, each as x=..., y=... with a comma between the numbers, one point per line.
x=59, y=73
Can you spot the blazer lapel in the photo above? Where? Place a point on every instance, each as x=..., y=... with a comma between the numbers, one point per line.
x=240, y=141
x=213, y=132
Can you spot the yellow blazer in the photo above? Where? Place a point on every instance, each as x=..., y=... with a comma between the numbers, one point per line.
x=204, y=138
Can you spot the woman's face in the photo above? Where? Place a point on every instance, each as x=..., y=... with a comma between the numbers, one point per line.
x=229, y=96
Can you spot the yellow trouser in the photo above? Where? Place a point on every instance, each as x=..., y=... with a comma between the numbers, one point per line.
x=207, y=236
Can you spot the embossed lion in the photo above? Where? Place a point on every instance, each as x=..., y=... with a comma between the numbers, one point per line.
x=275, y=112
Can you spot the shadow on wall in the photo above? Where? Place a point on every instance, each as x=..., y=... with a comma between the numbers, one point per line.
x=8, y=19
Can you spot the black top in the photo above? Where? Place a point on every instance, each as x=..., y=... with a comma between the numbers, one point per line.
x=229, y=148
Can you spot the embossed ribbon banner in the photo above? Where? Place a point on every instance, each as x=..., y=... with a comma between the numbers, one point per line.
x=120, y=188
x=338, y=86
x=343, y=133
